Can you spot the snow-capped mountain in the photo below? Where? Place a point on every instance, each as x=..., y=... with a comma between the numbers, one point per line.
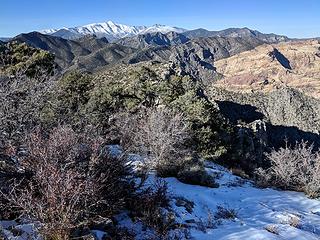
x=162, y=29
x=109, y=30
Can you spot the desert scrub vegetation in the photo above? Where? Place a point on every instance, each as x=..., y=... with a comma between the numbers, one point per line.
x=189, y=119
x=162, y=138
x=51, y=190
x=294, y=168
x=159, y=135
x=67, y=181
x=22, y=99
x=67, y=100
x=195, y=174
x=131, y=89
x=152, y=207
x=211, y=132
x=225, y=212
x=15, y=57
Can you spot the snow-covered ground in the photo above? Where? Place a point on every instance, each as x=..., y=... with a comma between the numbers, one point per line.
x=256, y=213
x=260, y=213
x=14, y=231
x=290, y=215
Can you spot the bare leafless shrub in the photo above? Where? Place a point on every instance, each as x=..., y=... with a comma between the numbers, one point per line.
x=22, y=99
x=56, y=197
x=294, y=168
x=116, y=183
x=57, y=192
x=208, y=222
x=312, y=181
x=161, y=137
x=151, y=207
x=225, y=212
x=158, y=135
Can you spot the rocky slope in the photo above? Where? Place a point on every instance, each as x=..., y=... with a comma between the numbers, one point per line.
x=153, y=39
x=196, y=57
x=294, y=64
x=283, y=113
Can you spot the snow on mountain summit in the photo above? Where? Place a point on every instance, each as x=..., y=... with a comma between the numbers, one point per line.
x=111, y=30
x=163, y=29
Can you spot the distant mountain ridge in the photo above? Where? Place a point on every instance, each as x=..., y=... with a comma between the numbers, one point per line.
x=236, y=32
x=91, y=53
x=97, y=46
x=68, y=52
x=110, y=30
x=115, y=31
x=3, y=39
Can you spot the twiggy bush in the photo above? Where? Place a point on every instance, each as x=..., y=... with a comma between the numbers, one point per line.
x=161, y=136
x=151, y=207
x=294, y=168
x=61, y=193
x=158, y=135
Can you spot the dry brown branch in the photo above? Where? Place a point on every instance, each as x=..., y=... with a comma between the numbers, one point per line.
x=159, y=135
x=68, y=181
x=296, y=168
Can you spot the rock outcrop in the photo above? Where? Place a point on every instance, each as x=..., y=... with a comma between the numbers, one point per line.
x=287, y=112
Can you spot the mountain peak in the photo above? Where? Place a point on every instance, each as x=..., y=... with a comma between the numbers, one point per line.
x=110, y=30
x=111, y=22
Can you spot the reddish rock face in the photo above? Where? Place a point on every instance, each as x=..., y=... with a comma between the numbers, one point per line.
x=267, y=67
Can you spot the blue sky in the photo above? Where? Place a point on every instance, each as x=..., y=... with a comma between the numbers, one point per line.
x=295, y=18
